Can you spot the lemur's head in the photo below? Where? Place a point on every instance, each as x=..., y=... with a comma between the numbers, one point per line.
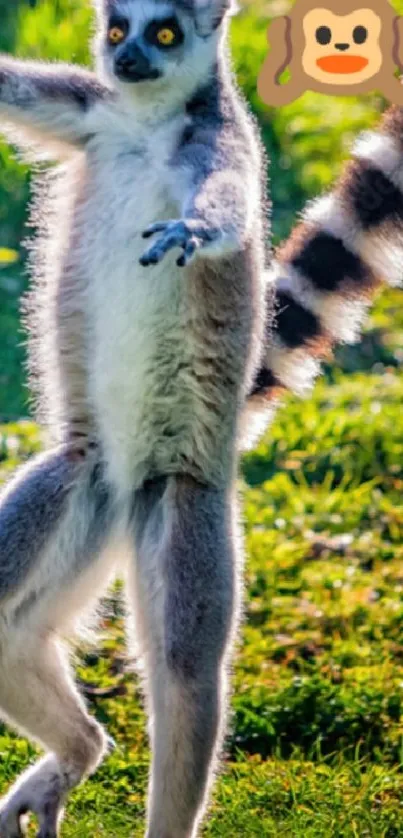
x=141, y=41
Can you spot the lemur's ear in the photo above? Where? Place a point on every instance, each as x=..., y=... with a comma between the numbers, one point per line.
x=210, y=13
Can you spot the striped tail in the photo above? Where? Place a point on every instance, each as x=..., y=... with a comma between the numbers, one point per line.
x=326, y=274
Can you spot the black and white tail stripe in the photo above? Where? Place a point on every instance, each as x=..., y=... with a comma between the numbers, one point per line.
x=325, y=276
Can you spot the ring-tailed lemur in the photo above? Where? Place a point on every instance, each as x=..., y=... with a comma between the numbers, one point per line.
x=148, y=361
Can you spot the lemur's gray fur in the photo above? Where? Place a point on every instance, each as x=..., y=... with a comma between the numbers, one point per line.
x=149, y=325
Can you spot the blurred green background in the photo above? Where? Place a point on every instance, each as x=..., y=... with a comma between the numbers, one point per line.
x=315, y=743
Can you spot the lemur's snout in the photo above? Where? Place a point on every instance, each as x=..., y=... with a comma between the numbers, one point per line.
x=133, y=65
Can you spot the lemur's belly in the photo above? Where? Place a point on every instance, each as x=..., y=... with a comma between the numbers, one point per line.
x=151, y=409
x=155, y=410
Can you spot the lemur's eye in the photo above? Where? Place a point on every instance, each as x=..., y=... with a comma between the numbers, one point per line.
x=164, y=33
x=116, y=34
x=166, y=36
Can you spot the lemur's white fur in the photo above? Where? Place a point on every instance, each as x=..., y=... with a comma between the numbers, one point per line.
x=129, y=311
x=341, y=317
x=375, y=248
x=383, y=152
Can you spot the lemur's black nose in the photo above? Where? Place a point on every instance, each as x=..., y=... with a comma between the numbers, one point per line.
x=133, y=65
x=342, y=47
x=132, y=61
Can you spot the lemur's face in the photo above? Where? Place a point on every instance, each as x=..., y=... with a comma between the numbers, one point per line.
x=146, y=40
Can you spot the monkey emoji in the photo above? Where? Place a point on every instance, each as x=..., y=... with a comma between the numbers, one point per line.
x=334, y=49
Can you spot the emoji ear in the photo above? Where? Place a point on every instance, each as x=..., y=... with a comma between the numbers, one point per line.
x=209, y=14
x=279, y=36
x=398, y=42
x=279, y=57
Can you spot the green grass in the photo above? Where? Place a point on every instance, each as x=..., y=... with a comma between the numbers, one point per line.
x=315, y=737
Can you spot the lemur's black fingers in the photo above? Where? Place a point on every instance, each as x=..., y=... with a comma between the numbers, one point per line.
x=145, y=261
x=189, y=251
x=151, y=259
x=158, y=227
x=162, y=246
x=176, y=234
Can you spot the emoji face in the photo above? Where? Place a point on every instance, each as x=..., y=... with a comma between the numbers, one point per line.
x=342, y=49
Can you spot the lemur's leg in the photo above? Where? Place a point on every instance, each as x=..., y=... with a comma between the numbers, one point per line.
x=184, y=601
x=55, y=518
x=61, y=102
x=39, y=696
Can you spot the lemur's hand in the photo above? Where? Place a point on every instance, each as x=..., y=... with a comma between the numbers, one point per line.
x=191, y=235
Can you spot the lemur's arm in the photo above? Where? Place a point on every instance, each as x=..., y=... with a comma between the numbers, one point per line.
x=58, y=102
x=215, y=183
x=325, y=276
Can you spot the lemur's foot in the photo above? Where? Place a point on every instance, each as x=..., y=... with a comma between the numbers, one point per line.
x=41, y=790
x=190, y=235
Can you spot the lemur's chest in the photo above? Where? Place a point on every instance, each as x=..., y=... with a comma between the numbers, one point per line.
x=131, y=187
x=132, y=184
x=143, y=372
